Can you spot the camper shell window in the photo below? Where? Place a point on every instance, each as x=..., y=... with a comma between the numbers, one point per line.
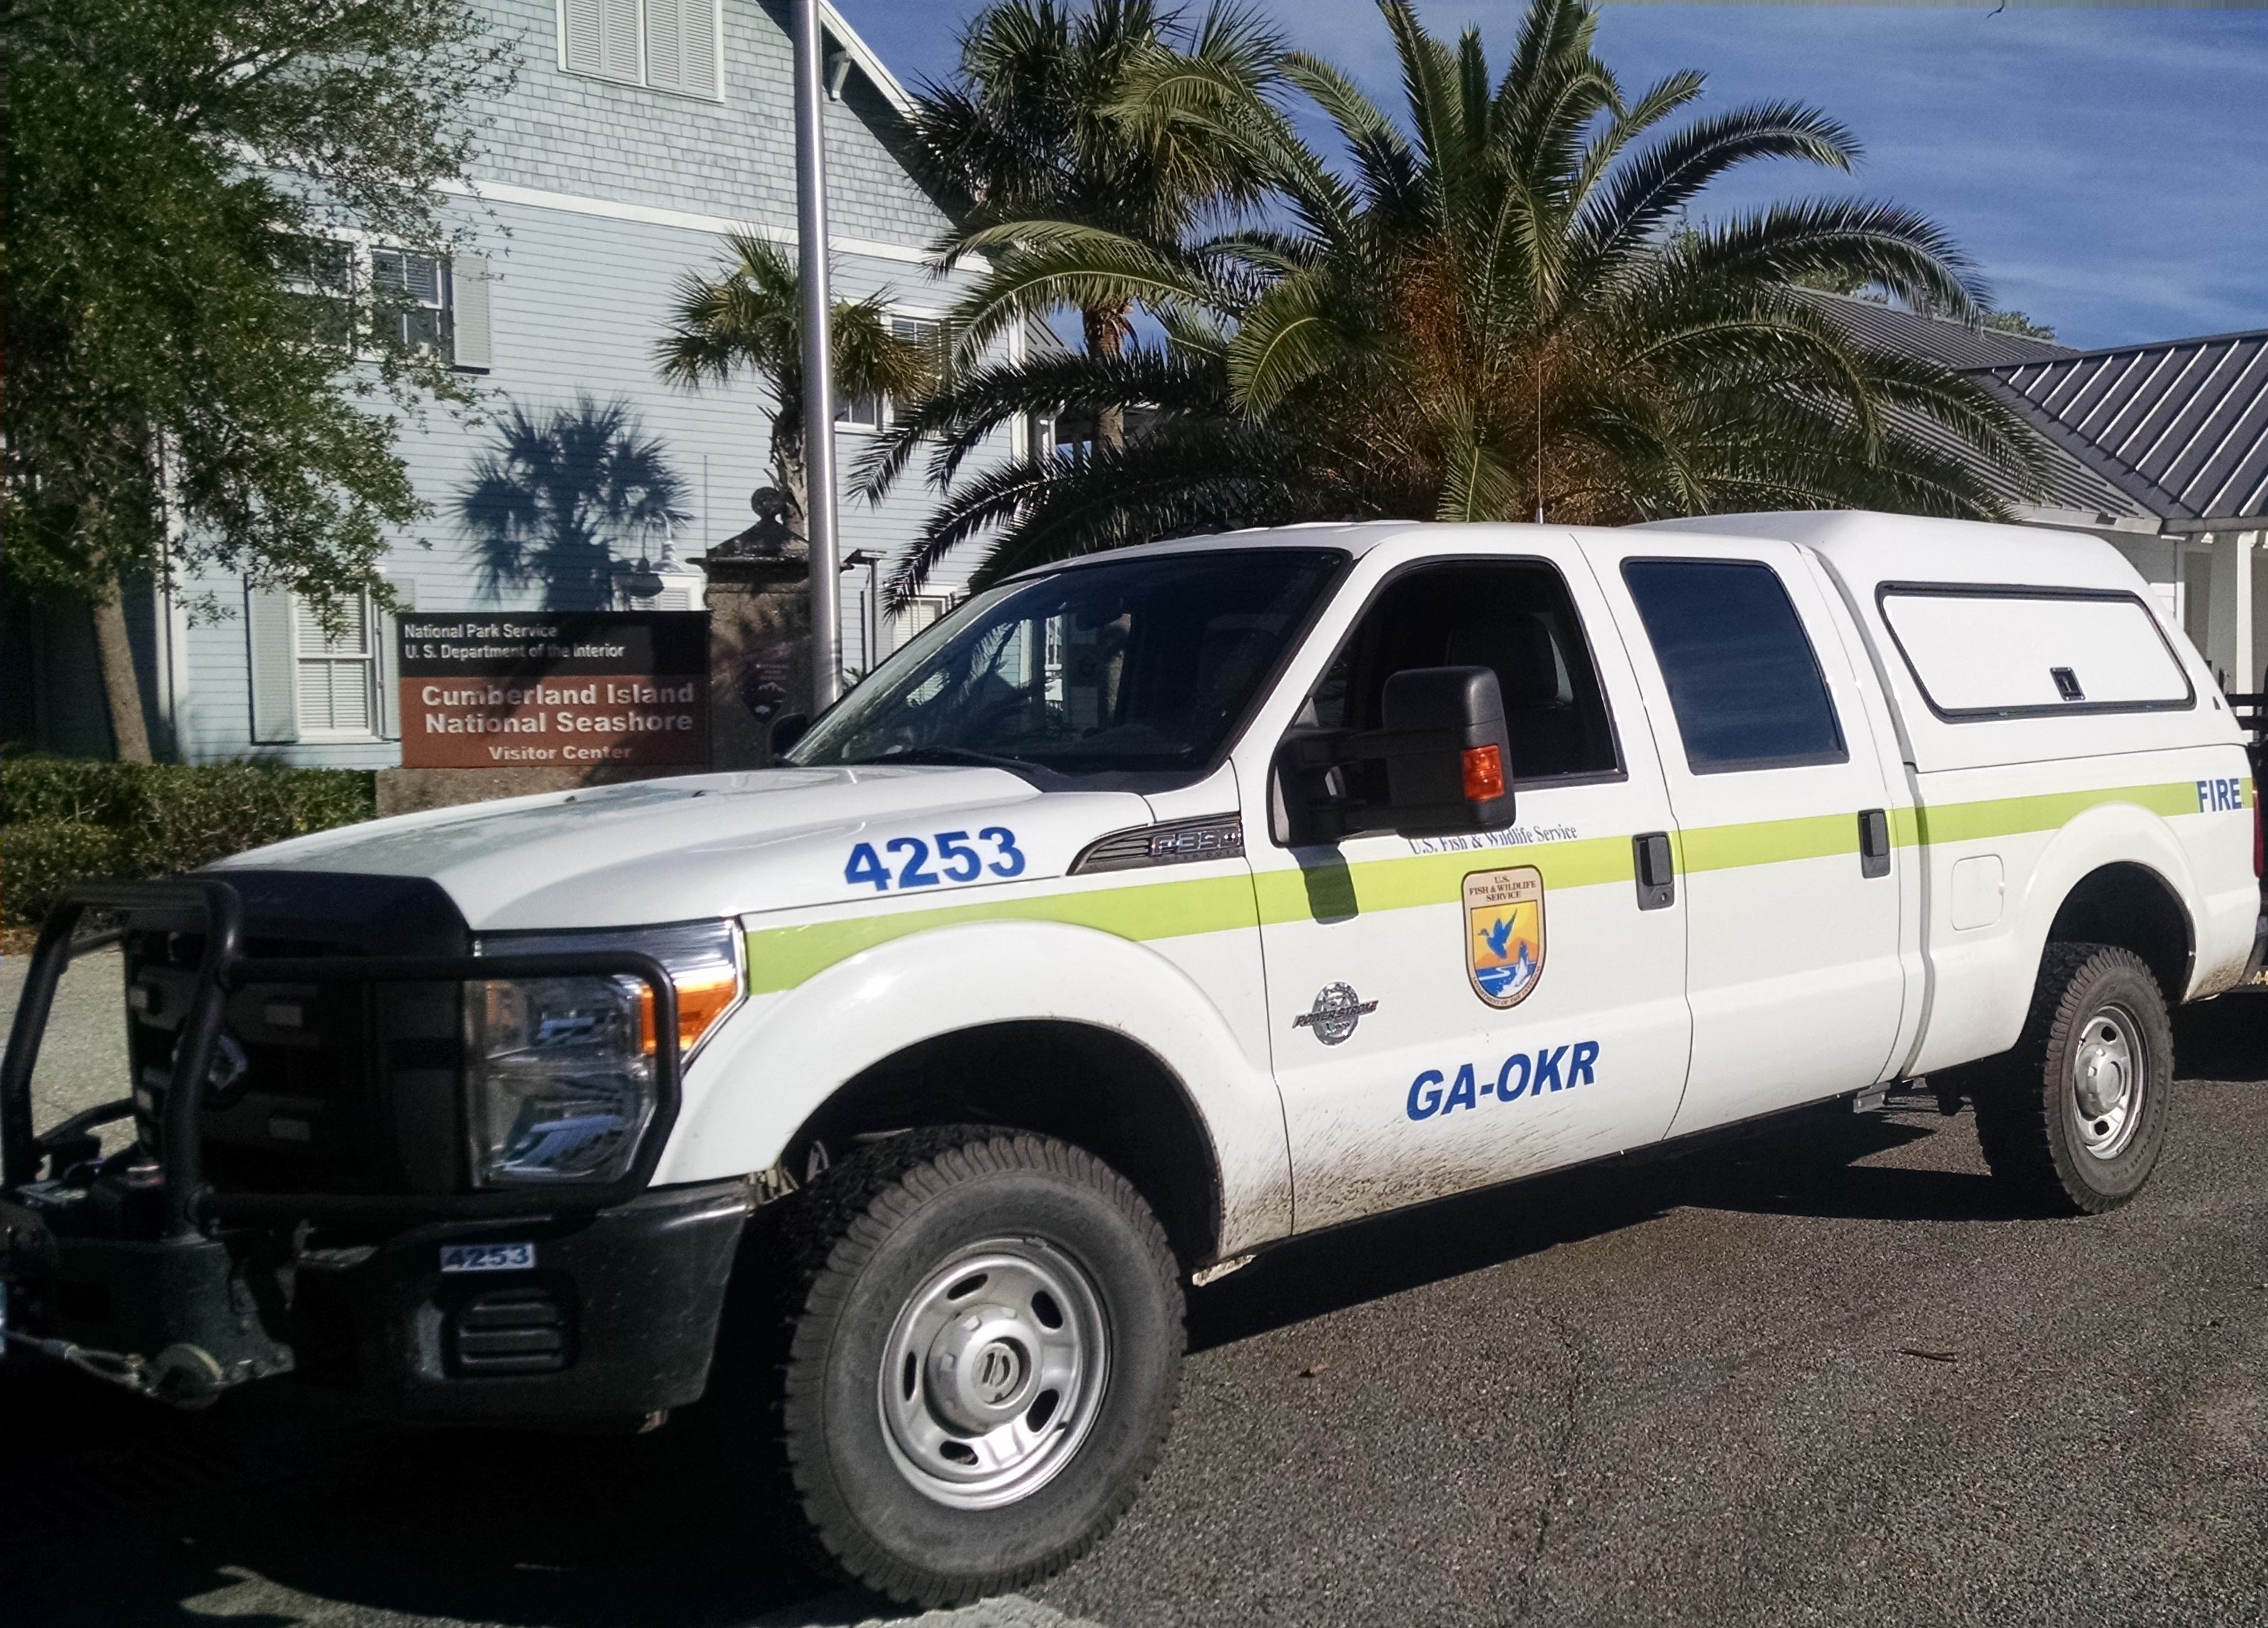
x=1982, y=652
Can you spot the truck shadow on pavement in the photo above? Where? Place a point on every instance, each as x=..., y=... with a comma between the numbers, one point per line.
x=1827, y=1163
x=275, y=1508
x=1802, y=1167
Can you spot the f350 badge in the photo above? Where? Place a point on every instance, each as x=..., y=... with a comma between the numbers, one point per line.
x=1504, y=933
x=1337, y=1009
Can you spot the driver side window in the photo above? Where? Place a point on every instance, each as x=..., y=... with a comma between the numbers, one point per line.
x=1514, y=616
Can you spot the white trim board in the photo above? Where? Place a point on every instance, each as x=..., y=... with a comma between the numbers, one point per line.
x=832, y=21
x=686, y=220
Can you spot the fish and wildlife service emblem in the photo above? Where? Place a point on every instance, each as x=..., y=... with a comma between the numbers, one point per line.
x=1337, y=1009
x=1504, y=933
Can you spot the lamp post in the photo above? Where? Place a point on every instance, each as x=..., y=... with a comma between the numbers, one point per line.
x=818, y=385
x=870, y=624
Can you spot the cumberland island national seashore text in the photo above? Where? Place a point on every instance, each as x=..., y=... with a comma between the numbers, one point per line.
x=567, y=688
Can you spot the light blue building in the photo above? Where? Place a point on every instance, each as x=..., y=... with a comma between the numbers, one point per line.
x=638, y=133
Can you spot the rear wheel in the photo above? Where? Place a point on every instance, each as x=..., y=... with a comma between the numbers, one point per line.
x=978, y=1345
x=2073, y=1118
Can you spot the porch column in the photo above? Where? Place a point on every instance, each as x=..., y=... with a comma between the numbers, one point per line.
x=2248, y=642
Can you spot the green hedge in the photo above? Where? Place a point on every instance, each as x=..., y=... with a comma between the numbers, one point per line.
x=62, y=819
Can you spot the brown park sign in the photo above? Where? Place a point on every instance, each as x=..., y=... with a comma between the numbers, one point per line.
x=502, y=689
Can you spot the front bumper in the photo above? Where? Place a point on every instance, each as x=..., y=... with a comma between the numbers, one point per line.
x=612, y=1315
x=616, y=1317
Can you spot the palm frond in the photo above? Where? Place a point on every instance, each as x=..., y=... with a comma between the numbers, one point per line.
x=1666, y=177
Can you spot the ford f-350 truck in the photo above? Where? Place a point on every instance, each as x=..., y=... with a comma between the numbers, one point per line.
x=1149, y=910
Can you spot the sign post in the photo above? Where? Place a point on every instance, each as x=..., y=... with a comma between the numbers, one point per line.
x=554, y=689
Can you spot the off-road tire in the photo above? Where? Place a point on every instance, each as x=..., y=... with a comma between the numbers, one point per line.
x=2029, y=1114
x=841, y=1261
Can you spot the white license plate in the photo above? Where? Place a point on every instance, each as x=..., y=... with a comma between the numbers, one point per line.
x=487, y=1258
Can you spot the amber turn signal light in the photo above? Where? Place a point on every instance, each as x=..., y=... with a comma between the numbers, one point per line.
x=702, y=996
x=1483, y=774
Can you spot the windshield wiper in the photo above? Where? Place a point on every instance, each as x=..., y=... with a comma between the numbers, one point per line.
x=944, y=755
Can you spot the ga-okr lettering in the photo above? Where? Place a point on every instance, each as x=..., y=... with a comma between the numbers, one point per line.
x=1523, y=1074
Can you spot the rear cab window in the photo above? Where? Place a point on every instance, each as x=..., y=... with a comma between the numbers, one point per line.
x=1743, y=679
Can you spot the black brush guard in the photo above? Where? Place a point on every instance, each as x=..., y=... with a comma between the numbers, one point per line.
x=187, y=1306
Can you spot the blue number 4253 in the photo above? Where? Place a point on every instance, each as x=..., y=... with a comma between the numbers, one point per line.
x=962, y=861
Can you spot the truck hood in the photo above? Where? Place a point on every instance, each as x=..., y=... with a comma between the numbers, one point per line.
x=705, y=845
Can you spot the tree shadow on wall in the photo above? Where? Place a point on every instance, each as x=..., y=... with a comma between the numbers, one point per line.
x=561, y=498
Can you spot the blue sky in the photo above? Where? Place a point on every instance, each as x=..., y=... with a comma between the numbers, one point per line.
x=2108, y=169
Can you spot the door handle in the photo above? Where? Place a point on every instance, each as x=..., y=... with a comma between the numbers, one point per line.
x=1873, y=843
x=1657, y=880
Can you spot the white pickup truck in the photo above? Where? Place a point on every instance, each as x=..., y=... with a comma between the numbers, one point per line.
x=1149, y=910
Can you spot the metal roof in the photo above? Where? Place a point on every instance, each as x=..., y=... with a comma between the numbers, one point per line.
x=2170, y=437
x=1940, y=339
x=2180, y=427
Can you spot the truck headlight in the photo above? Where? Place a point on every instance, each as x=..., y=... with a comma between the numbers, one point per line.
x=559, y=1081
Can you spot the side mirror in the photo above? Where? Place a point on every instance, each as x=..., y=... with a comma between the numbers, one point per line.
x=788, y=729
x=1445, y=754
x=1448, y=754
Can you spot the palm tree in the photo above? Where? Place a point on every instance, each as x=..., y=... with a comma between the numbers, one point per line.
x=749, y=319
x=1495, y=311
x=554, y=498
x=1038, y=133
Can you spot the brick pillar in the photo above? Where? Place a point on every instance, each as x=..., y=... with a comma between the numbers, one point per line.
x=759, y=653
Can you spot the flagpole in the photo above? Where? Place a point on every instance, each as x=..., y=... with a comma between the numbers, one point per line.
x=818, y=384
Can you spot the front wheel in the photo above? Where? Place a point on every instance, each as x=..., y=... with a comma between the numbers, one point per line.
x=981, y=1336
x=2073, y=1120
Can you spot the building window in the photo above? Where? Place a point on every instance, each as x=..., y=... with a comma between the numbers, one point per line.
x=335, y=672
x=357, y=296
x=916, y=616
x=875, y=412
x=411, y=298
x=320, y=277
x=665, y=45
x=319, y=686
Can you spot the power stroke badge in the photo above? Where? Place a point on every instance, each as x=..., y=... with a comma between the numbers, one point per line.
x=1337, y=1009
x=1504, y=933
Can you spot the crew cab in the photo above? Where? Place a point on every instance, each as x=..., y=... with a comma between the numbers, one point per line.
x=1149, y=909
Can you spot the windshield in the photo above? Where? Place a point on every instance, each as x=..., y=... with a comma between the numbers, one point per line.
x=1142, y=666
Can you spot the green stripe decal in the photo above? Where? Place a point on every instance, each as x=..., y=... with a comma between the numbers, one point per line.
x=780, y=958
x=1429, y=878
x=2010, y=816
x=1768, y=842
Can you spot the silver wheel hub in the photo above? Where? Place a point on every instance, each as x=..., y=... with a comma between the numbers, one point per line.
x=992, y=1373
x=2107, y=1083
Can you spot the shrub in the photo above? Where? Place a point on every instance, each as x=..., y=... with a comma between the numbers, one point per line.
x=68, y=818
x=38, y=857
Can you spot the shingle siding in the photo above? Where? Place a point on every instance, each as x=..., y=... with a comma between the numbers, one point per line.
x=734, y=159
x=579, y=297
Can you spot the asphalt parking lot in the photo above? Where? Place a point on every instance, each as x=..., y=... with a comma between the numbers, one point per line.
x=1819, y=1377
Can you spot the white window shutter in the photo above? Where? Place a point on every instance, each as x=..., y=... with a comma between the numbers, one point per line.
x=664, y=54
x=274, y=671
x=582, y=35
x=618, y=48
x=469, y=291
x=699, y=34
